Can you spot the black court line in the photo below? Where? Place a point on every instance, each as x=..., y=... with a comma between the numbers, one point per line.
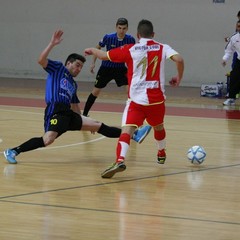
x=121, y=181
x=126, y=213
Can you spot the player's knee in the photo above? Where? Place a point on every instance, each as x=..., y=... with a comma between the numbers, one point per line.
x=89, y=124
x=96, y=92
x=48, y=139
x=159, y=127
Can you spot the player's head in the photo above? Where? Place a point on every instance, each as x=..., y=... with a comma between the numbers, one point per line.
x=121, y=27
x=122, y=21
x=73, y=57
x=238, y=15
x=238, y=26
x=74, y=63
x=145, y=29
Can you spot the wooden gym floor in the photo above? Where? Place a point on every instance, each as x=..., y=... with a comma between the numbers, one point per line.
x=57, y=192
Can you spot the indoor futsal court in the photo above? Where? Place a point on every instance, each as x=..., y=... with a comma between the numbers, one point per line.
x=57, y=192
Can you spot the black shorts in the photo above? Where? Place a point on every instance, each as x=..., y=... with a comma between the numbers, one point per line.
x=106, y=74
x=61, y=119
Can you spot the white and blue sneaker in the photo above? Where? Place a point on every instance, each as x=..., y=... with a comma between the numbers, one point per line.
x=10, y=155
x=229, y=102
x=140, y=134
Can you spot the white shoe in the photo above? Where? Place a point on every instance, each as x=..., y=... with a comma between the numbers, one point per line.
x=229, y=102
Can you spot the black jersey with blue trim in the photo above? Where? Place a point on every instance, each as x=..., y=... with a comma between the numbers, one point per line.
x=112, y=41
x=60, y=85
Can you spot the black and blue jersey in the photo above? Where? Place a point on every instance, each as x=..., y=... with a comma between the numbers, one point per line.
x=61, y=91
x=60, y=85
x=112, y=41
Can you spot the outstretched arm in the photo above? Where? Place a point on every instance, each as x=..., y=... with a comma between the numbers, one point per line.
x=97, y=53
x=55, y=40
x=180, y=69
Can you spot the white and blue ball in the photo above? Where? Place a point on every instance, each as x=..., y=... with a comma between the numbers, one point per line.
x=196, y=154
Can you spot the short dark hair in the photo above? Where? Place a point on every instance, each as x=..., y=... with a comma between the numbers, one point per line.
x=238, y=15
x=73, y=57
x=145, y=28
x=122, y=21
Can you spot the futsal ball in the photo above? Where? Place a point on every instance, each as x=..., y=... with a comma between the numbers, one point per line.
x=196, y=154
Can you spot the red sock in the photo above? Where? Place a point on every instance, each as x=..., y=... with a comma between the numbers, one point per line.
x=122, y=146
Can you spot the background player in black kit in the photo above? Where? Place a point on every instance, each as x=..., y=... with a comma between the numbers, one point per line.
x=108, y=70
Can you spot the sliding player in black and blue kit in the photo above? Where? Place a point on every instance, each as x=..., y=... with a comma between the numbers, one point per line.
x=63, y=109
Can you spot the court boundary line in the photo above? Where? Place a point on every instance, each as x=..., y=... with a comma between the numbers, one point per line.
x=124, y=212
x=121, y=181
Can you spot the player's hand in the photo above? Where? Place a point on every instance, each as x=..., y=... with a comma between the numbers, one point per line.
x=88, y=51
x=57, y=37
x=175, y=81
x=92, y=68
x=226, y=39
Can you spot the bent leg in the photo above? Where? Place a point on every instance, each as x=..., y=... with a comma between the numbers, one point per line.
x=89, y=124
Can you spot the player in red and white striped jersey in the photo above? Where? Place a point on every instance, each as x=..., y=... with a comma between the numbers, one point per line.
x=145, y=61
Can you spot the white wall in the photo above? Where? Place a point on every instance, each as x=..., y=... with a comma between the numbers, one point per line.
x=195, y=28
